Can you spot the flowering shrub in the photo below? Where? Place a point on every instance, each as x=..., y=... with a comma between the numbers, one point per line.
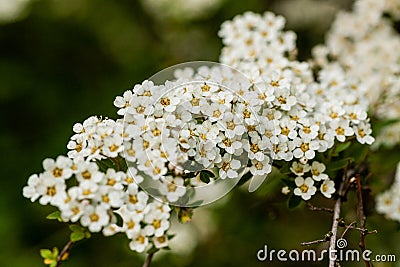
x=186, y=141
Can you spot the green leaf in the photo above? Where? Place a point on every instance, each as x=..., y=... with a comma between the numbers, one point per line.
x=205, y=176
x=293, y=201
x=76, y=228
x=341, y=147
x=46, y=254
x=77, y=236
x=340, y=164
x=289, y=182
x=56, y=215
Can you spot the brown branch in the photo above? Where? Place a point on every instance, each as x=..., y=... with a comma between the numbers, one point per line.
x=326, y=238
x=148, y=260
x=64, y=253
x=363, y=218
x=335, y=218
x=314, y=208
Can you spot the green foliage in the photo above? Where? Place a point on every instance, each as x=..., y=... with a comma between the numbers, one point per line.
x=78, y=233
x=50, y=256
x=56, y=215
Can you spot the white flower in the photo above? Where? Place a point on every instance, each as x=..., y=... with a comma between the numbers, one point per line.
x=172, y=188
x=305, y=187
x=130, y=221
x=157, y=223
x=51, y=190
x=260, y=167
x=95, y=217
x=363, y=133
x=299, y=169
x=305, y=148
x=317, y=170
x=140, y=241
x=228, y=167
x=59, y=168
x=122, y=102
x=327, y=188
x=30, y=191
x=135, y=199
x=342, y=129
x=160, y=241
x=285, y=190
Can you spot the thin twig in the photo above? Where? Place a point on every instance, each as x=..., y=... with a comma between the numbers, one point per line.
x=335, y=219
x=148, y=260
x=326, y=238
x=363, y=218
x=64, y=253
x=314, y=208
x=350, y=226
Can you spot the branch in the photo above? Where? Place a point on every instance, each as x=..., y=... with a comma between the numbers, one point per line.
x=314, y=208
x=363, y=218
x=64, y=253
x=335, y=219
x=148, y=260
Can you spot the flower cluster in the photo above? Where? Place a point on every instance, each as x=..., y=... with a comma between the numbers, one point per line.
x=388, y=202
x=212, y=119
x=310, y=115
x=94, y=187
x=205, y=125
x=305, y=186
x=362, y=42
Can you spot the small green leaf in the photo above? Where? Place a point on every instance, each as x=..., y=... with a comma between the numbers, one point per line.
x=46, y=254
x=293, y=201
x=56, y=215
x=76, y=228
x=289, y=182
x=77, y=236
x=340, y=164
x=341, y=147
x=205, y=176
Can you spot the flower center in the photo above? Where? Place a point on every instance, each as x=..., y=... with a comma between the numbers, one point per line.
x=304, y=188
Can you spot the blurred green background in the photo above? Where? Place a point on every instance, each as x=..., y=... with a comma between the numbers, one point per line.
x=64, y=60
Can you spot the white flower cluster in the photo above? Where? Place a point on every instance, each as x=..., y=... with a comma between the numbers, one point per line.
x=209, y=120
x=363, y=42
x=388, y=203
x=96, y=196
x=309, y=114
x=212, y=119
x=305, y=186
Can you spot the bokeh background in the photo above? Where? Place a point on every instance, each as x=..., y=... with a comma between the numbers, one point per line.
x=64, y=60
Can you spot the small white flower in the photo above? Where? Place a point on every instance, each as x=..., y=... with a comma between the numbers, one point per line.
x=172, y=188
x=305, y=187
x=140, y=241
x=327, y=188
x=317, y=170
x=160, y=241
x=228, y=167
x=285, y=190
x=95, y=217
x=299, y=169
